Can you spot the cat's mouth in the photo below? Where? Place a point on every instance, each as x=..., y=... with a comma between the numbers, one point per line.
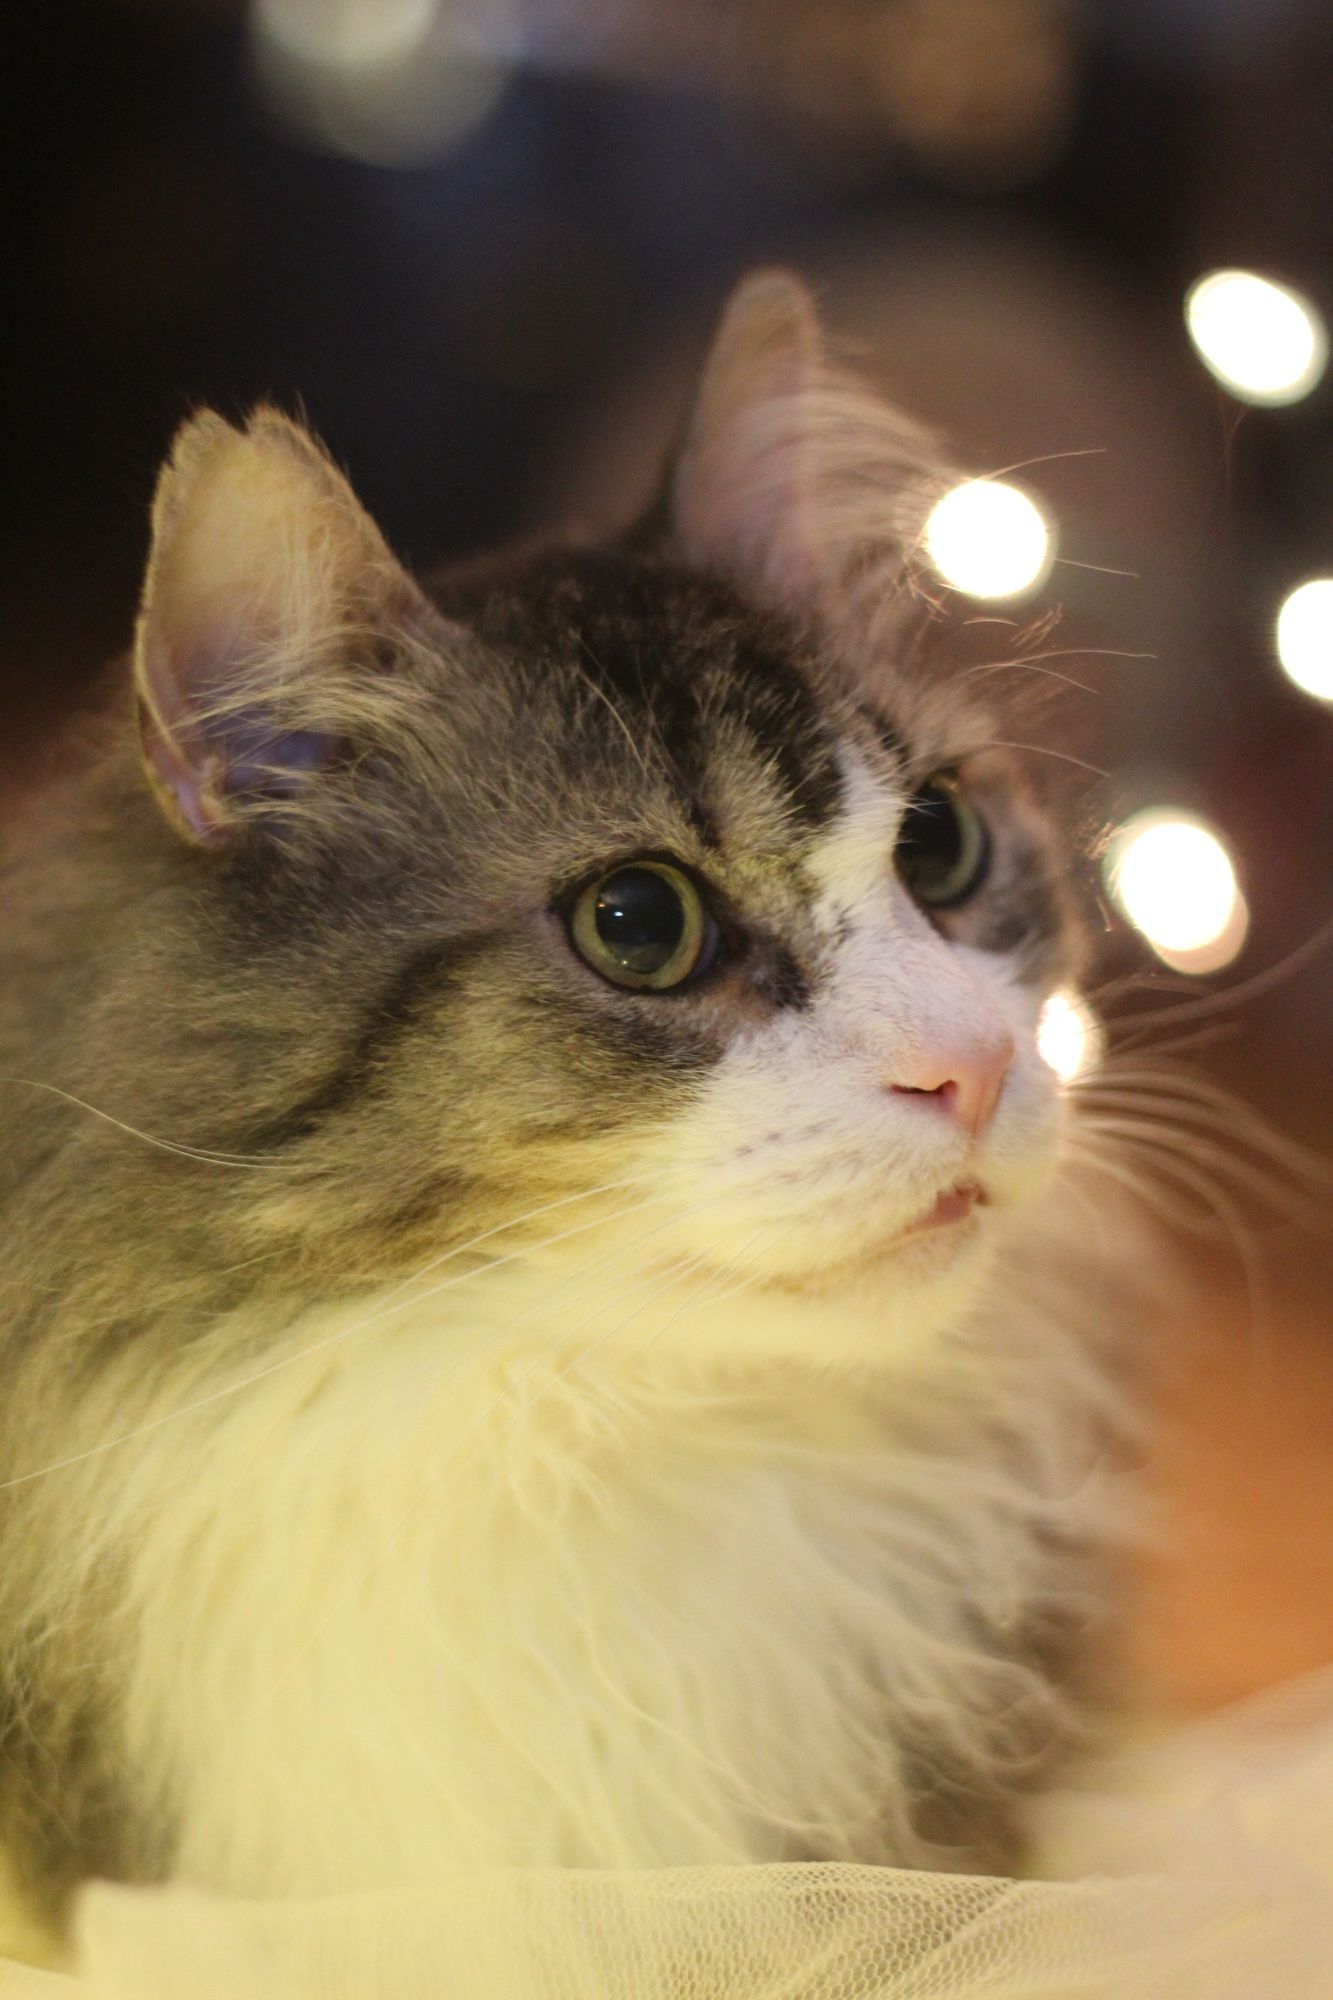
x=923, y=1247
x=954, y=1205
x=938, y=1233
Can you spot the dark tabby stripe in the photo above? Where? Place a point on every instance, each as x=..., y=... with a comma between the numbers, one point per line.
x=424, y=978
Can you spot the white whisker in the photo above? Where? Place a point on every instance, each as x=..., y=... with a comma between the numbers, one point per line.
x=1241, y=1236
x=1291, y=1196
x=1060, y=756
x=397, y=1297
x=1248, y=989
x=256, y=1161
x=989, y=667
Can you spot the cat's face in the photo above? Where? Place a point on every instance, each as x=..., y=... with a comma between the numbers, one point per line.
x=600, y=871
x=876, y=1124
x=785, y=960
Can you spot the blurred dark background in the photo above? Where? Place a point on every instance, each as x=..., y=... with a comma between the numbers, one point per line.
x=479, y=243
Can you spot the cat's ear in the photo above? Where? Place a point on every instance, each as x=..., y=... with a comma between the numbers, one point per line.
x=797, y=481
x=743, y=483
x=267, y=586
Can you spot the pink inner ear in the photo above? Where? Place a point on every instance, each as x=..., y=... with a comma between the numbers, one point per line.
x=209, y=742
x=262, y=764
x=248, y=761
x=263, y=567
x=188, y=788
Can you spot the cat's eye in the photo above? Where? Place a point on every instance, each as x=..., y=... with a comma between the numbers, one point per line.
x=944, y=846
x=644, y=925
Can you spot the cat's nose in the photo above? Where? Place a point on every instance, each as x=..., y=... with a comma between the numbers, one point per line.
x=963, y=1080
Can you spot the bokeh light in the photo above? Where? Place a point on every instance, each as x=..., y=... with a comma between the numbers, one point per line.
x=1305, y=637
x=1262, y=340
x=1070, y=1037
x=347, y=34
x=989, y=539
x=390, y=82
x=1172, y=877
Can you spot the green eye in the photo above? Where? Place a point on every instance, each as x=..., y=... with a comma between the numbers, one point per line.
x=944, y=847
x=644, y=925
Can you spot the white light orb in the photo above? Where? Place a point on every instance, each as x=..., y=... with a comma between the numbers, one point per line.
x=347, y=34
x=1174, y=880
x=1262, y=340
x=1069, y=1035
x=989, y=539
x=393, y=83
x=1305, y=637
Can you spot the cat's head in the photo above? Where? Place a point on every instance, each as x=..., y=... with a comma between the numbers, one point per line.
x=668, y=867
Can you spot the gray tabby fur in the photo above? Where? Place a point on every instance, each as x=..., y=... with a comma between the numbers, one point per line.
x=329, y=1029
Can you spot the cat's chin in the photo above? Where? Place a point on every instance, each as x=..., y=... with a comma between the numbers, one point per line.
x=903, y=1261
x=931, y=1263
x=885, y=1306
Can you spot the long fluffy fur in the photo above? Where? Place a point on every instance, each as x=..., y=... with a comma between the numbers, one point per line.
x=399, y=1475
x=568, y=1608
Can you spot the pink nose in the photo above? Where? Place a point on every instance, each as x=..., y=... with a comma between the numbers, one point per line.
x=963, y=1081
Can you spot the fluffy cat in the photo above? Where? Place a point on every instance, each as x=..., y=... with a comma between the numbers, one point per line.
x=543, y=1320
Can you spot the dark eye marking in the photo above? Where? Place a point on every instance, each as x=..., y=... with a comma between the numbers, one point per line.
x=890, y=742
x=779, y=980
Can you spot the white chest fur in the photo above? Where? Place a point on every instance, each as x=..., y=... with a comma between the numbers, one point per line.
x=418, y=1601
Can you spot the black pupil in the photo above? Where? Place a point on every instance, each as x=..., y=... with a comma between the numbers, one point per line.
x=931, y=841
x=640, y=919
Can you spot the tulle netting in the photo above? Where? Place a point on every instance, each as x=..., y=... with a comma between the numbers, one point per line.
x=1228, y=1828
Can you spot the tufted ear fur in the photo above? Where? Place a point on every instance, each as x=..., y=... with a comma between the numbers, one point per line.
x=743, y=486
x=267, y=599
x=795, y=480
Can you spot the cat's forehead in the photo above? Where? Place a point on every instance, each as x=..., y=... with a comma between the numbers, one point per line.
x=667, y=680
x=652, y=710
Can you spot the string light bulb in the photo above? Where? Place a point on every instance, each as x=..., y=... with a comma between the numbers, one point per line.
x=1171, y=876
x=1305, y=637
x=1263, y=341
x=1070, y=1037
x=989, y=539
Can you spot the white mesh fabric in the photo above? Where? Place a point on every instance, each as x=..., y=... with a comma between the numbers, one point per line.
x=1235, y=1818
x=808, y=1933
